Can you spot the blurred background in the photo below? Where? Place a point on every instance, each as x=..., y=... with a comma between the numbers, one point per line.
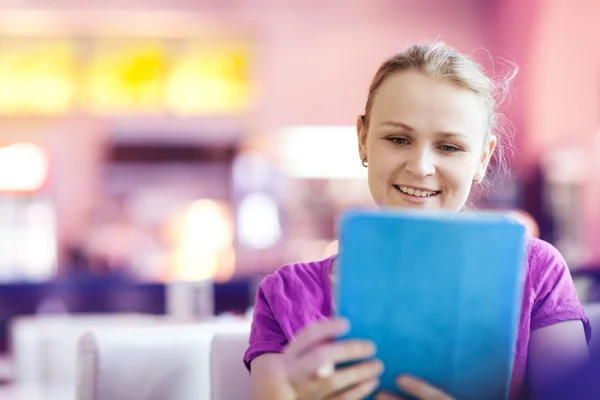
x=149, y=147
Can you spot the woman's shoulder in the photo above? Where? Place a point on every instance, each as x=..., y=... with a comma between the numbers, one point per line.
x=298, y=275
x=538, y=247
x=543, y=257
x=553, y=294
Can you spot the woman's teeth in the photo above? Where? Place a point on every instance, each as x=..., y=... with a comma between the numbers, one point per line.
x=416, y=192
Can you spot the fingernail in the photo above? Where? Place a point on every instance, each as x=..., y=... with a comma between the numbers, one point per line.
x=403, y=380
x=370, y=347
x=343, y=323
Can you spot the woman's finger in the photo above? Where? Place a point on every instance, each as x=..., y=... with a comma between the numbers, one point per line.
x=316, y=333
x=359, y=391
x=421, y=389
x=346, y=378
x=387, y=396
x=322, y=360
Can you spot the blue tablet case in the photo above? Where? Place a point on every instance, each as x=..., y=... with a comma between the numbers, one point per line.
x=440, y=295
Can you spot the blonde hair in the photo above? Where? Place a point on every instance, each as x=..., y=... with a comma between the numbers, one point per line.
x=441, y=61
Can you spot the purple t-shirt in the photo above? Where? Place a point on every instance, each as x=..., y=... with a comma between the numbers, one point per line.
x=298, y=294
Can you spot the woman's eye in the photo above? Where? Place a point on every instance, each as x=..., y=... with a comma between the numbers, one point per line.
x=398, y=140
x=448, y=148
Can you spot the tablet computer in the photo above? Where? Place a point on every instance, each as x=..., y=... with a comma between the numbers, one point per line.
x=439, y=294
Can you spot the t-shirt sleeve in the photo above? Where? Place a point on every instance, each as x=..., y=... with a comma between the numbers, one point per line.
x=556, y=298
x=266, y=335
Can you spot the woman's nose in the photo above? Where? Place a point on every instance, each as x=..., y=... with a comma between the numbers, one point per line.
x=420, y=163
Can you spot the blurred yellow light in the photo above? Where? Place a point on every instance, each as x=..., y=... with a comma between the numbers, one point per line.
x=204, y=242
x=125, y=77
x=210, y=80
x=23, y=168
x=226, y=268
x=37, y=77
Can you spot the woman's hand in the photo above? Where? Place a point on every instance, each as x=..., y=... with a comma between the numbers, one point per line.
x=417, y=388
x=310, y=359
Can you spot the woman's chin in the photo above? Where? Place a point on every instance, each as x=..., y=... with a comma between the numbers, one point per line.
x=431, y=205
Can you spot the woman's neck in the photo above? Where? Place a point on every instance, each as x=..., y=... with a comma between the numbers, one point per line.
x=333, y=272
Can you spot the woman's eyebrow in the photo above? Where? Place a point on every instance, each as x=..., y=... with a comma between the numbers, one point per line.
x=408, y=128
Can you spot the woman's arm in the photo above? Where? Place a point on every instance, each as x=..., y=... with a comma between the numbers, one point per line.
x=268, y=378
x=554, y=350
x=306, y=370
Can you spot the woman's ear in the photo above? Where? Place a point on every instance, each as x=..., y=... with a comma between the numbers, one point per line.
x=361, y=131
x=488, y=152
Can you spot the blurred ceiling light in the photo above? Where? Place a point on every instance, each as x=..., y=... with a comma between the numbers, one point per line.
x=320, y=152
x=251, y=171
x=23, y=168
x=27, y=239
x=40, y=235
x=209, y=224
x=210, y=80
x=126, y=76
x=204, y=243
x=226, y=268
x=258, y=221
x=36, y=77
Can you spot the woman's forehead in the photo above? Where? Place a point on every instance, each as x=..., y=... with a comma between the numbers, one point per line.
x=428, y=103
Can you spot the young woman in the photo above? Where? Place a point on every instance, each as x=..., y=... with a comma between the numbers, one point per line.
x=428, y=133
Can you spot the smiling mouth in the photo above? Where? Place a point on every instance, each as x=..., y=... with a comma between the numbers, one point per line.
x=417, y=192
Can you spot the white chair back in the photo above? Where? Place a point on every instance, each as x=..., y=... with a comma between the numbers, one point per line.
x=153, y=363
x=229, y=377
x=41, y=343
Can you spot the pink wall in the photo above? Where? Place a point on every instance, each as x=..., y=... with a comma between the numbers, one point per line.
x=512, y=30
x=563, y=104
x=565, y=81
x=319, y=74
x=315, y=60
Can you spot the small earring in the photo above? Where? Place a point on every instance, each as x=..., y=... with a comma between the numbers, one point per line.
x=364, y=162
x=477, y=178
